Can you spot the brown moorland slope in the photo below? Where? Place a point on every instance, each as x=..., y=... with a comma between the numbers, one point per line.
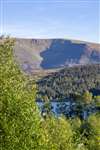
x=35, y=55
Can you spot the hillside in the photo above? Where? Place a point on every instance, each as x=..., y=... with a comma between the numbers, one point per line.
x=23, y=127
x=49, y=55
x=35, y=55
x=70, y=82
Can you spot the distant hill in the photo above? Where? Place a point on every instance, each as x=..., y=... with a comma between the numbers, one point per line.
x=35, y=55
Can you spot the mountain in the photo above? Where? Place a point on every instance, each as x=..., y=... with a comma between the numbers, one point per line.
x=44, y=54
x=35, y=55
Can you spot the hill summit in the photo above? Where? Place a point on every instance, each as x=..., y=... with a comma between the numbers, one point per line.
x=50, y=54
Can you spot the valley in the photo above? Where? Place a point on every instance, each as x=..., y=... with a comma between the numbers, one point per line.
x=45, y=110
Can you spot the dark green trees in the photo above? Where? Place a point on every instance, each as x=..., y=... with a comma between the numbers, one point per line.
x=69, y=82
x=21, y=126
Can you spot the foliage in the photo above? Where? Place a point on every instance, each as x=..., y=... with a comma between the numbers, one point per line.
x=70, y=82
x=22, y=127
x=19, y=121
x=91, y=132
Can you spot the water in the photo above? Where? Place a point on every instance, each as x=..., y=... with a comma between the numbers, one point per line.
x=68, y=108
x=55, y=106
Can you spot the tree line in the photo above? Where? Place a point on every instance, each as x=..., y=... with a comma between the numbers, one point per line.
x=21, y=125
x=70, y=82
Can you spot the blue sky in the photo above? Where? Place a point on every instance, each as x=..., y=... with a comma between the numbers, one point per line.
x=73, y=19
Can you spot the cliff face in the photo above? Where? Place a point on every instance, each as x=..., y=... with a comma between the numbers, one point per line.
x=44, y=54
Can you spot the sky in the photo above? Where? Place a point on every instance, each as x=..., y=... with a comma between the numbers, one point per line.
x=70, y=19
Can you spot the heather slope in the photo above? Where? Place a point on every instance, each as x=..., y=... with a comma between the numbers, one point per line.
x=50, y=54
